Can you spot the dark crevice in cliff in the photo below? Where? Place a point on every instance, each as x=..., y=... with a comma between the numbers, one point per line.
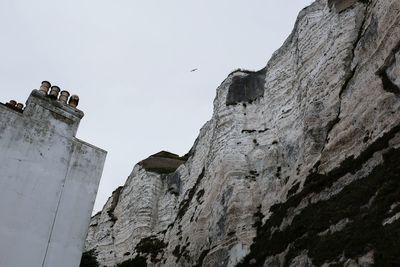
x=114, y=202
x=258, y=217
x=331, y=124
x=297, y=52
x=180, y=252
x=293, y=190
x=173, y=181
x=387, y=83
x=183, y=207
x=366, y=202
x=115, y=199
x=203, y=255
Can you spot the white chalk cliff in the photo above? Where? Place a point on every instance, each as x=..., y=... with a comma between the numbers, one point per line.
x=298, y=166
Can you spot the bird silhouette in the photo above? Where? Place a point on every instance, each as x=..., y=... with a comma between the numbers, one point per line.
x=193, y=70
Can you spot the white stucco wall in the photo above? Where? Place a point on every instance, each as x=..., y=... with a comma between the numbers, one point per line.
x=48, y=184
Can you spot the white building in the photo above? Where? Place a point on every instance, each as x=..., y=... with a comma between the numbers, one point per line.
x=48, y=181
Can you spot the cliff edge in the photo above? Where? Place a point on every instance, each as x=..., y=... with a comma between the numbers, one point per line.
x=298, y=165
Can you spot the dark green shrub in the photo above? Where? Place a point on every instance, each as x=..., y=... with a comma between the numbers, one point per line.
x=89, y=259
x=138, y=261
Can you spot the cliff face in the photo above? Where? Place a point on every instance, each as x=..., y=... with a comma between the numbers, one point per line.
x=298, y=165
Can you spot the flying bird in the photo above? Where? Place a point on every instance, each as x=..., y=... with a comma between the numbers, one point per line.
x=193, y=70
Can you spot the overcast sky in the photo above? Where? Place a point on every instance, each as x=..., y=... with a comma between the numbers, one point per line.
x=130, y=61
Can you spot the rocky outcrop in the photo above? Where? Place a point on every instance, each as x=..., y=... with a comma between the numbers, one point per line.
x=163, y=162
x=298, y=165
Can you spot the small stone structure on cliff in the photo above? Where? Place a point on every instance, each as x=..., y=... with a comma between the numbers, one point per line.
x=48, y=181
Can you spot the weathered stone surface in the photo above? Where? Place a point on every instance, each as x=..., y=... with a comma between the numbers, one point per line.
x=298, y=170
x=340, y=5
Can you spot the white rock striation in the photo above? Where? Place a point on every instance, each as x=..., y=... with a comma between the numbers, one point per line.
x=297, y=166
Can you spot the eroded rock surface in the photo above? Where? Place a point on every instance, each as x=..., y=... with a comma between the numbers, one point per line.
x=299, y=168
